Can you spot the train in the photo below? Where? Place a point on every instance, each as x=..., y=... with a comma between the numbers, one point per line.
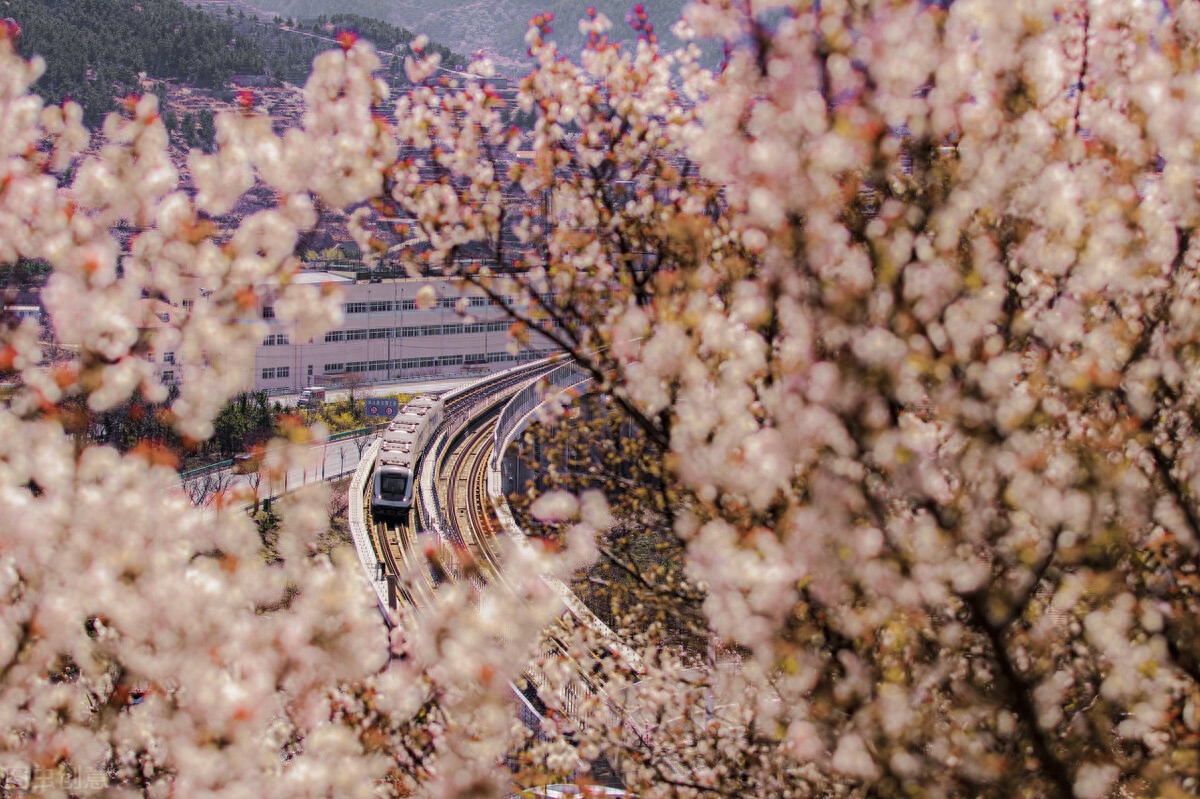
x=403, y=442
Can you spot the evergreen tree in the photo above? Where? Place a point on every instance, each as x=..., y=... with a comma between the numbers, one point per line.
x=205, y=130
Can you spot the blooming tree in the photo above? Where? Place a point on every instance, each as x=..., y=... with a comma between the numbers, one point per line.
x=902, y=302
x=904, y=297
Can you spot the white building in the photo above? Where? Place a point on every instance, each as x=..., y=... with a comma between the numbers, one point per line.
x=384, y=336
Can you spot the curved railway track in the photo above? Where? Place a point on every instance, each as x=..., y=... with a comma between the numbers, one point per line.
x=396, y=541
x=465, y=524
x=397, y=548
x=465, y=492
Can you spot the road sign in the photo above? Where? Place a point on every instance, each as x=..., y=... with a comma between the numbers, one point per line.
x=385, y=408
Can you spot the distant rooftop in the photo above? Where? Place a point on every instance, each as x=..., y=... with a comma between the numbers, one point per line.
x=320, y=276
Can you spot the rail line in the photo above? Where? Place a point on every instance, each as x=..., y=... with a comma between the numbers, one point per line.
x=463, y=509
x=466, y=494
x=397, y=543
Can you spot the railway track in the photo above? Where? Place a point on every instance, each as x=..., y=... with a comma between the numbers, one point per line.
x=457, y=512
x=397, y=545
x=465, y=493
x=460, y=516
x=398, y=549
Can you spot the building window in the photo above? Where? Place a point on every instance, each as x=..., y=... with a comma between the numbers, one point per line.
x=187, y=304
x=276, y=339
x=168, y=377
x=168, y=357
x=268, y=312
x=477, y=302
x=451, y=330
x=283, y=371
x=334, y=368
x=378, y=306
x=355, y=307
x=356, y=335
x=165, y=317
x=419, y=363
x=356, y=366
x=381, y=332
x=448, y=302
x=335, y=335
x=268, y=374
x=408, y=305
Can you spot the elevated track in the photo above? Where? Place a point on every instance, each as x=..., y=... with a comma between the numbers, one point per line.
x=453, y=531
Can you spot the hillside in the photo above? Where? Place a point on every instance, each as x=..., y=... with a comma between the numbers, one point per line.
x=496, y=27
x=94, y=49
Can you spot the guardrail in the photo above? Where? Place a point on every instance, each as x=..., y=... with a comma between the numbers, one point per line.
x=517, y=413
x=359, y=485
x=513, y=419
x=200, y=471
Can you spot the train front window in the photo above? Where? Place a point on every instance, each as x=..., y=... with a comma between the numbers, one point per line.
x=393, y=486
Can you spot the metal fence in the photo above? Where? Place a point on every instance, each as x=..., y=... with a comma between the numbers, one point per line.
x=362, y=431
x=200, y=471
x=517, y=412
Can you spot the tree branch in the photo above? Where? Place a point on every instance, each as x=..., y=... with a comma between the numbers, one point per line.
x=1019, y=696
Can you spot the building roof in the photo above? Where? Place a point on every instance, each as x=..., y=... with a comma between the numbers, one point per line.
x=319, y=276
x=21, y=299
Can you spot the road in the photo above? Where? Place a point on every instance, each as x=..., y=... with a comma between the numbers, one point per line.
x=327, y=461
x=322, y=462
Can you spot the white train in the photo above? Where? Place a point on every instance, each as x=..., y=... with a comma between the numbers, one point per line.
x=403, y=442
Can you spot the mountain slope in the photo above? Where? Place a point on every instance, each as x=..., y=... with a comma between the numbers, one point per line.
x=94, y=49
x=496, y=27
